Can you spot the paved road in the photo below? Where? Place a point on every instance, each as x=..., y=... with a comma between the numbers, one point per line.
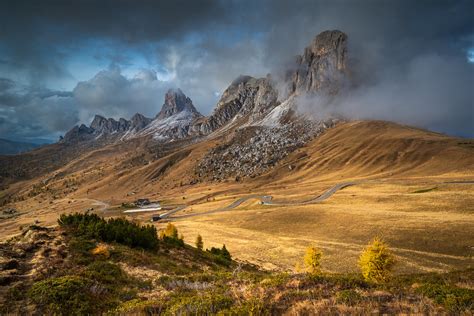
x=265, y=199
x=177, y=209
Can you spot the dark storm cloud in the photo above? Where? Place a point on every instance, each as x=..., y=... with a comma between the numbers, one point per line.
x=36, y=35
x=30, y=113
x=111, y=94
x=408, y=57
x=408, y=60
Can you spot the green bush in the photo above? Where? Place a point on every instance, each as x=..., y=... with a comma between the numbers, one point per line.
x=253, y=306
x=105, y=272
x=376, y=262
x=64, y=295
x=117, y=230
x=139, y=307
x=453, y=298
x=348, y=297
x=207, y=304
x=81, y=250
x=222, y=255
x=276, y=280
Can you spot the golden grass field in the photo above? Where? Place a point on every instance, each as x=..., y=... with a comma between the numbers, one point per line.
x=426, y=230
x=403, y=194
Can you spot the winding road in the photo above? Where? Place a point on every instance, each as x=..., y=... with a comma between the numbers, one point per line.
x=264, y=199
x=268, y=200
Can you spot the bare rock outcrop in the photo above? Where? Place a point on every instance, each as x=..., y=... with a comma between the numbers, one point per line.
x=254, y=150
x=323, y=66
x=245, y=97
x=176, y=102
x=175, y=118
x=101, y=125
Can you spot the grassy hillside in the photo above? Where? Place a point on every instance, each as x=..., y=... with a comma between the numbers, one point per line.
x=71, y=270
x=378, y=149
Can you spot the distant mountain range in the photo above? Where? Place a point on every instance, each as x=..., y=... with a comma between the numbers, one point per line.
x=257, y=119
x=9, y=147
x=255, y=127
x=248, y=101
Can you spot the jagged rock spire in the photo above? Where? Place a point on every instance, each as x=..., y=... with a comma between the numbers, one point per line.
x=175, y=102
x=323, y=66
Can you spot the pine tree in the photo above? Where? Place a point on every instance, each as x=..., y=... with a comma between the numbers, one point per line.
x=199, y=242
x=312, y=260
x=376, y=261
x=225, y=253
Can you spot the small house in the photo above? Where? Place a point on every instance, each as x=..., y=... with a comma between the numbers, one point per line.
x=142, y=202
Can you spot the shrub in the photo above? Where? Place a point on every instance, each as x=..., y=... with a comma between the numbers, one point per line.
x=170, y=236
x=312, y=260
x=199, y=242
x=222, y=255
x=276, y=280
x=101, y=251
x=117, y=230
x=81, y=249
x=254, y=306
x=376, y=262
x=453, y=298
x=205, y=304
x=105, y=272
x=65, y=295
x=139, y=307
x=348, y=297
x=170, y=231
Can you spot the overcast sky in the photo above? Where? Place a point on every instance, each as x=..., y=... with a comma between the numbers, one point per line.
x=62, y=61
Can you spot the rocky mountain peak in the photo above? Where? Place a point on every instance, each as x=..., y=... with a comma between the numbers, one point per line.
x=101, y=124
x=98, y=121
x=77, y=133
x=139, y=121
x=246, y=97
x=331, y=44
x=175, y=102
x=323, y=66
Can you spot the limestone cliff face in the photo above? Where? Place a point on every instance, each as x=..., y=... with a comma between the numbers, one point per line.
x=138, y=122
x=323, y=66
x=101, y=124
x=174, y=119
x=176, y=102
x=246, y=96
x=321, y=69
x=77, y=134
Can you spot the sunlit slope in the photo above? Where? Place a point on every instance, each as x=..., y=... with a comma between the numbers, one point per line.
x=377, y=148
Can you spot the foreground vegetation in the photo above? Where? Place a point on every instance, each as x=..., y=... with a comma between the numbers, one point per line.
x=106, y=271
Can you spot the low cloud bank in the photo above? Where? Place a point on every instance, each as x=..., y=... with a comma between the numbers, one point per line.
x=429, y=91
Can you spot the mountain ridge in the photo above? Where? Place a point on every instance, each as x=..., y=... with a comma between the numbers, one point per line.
x=246, y=101
x=253, y=128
